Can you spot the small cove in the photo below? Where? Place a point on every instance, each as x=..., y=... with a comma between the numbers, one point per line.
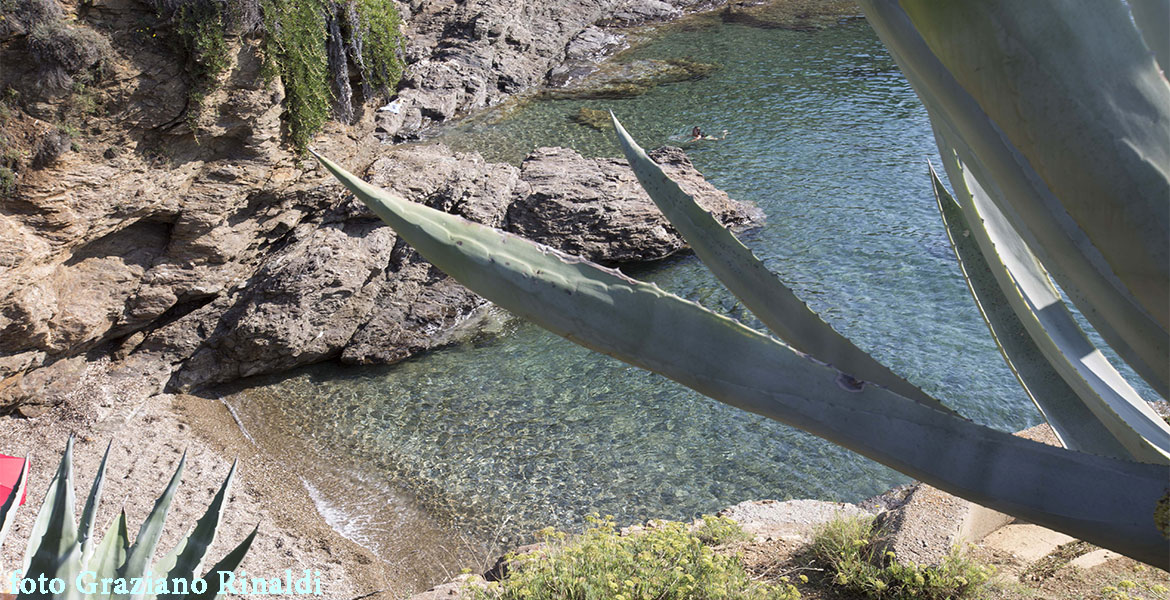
x=517, y=429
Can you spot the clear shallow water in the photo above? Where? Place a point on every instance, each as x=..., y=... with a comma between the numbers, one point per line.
x=518, y=430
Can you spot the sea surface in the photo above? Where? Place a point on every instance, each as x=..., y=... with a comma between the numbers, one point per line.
x=518, y=429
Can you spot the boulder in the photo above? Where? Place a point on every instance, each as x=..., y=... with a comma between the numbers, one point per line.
x=596, y=209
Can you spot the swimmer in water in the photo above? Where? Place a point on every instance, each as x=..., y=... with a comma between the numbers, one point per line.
x=697, y=134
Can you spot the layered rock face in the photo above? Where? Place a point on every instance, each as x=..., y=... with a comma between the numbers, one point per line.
x=199, y=251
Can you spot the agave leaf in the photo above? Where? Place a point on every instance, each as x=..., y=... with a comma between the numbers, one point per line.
x=12, y=502
x=227, y=564
x=1034, y=212
x=1038, y=306
x=1152, y=18
x=759, y=289
x=138, y=557
x=1102, y=500
x=185, y=560
x=110, y=553
x=56, y=554
x=1074, y=424
x=85, y=528
x=1067, y=87
x=54, y=530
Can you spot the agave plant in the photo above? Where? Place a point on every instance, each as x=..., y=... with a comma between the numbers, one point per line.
x=1023, y=119
x=63, y=559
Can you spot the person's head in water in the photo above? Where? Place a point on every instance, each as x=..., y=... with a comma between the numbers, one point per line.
x=696, y=133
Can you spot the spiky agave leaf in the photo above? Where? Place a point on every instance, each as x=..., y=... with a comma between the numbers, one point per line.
x=1105, y=501
x=109, y=554
x=53, y=551
x=227, y=564
x=1039, y=307
x=138, y=557
x=1066, y=250
x=1152, y=18
x=1078, y=93
x=760, y=290
x=85, y=527
x=185, y=560
x=1074, y=424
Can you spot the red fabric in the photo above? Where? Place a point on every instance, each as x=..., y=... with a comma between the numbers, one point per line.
x=9, y=474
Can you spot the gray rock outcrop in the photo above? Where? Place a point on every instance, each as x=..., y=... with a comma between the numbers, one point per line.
x=596, y=209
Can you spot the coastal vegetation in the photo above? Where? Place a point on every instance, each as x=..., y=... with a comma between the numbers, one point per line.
x=1106, y=488
x=311, y=44
x=851, y=552
x=665, y=560
x=670, y=559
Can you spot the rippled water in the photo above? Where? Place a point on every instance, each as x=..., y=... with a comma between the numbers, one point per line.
x=521, y=429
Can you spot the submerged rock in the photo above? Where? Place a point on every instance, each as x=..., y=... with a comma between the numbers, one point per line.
x=797, y=15
x=632, y=79
x=591, y=117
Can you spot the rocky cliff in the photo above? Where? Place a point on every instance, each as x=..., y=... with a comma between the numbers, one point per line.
x=184, y=244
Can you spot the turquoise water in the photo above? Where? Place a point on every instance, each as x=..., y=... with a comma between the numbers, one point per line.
x=520, y=429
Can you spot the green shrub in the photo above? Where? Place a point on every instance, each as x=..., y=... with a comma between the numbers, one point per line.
x=847, y=549
x=7, y=182
x=664, y=562
x=295, y=49
x=199, y=30
x=66, y=54
x=716, y=531
x=200, y=34
x=378, y=28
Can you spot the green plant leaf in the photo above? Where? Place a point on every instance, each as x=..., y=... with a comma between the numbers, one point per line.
x=56, y=509
x=138, y=557
x=85, y=528
x=1152, y=18
x=1074, y=424
x=1074, y=257
x=53, y=549
x=1035, y=72
x=1105, y=501
x=1048, y=322
x=759, y=289
x=110, y=553
x=185, y=560
x=227, y=564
